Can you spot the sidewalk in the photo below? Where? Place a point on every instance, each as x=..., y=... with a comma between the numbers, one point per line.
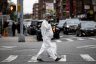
x=31, y=38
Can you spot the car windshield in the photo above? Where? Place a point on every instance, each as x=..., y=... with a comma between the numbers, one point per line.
x=73, y=22
x=33, y=23
x=39, y=22
x=88, y=24
x=61, y=22
x=27, y=23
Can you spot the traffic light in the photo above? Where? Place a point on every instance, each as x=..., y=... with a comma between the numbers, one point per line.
x=12, y=12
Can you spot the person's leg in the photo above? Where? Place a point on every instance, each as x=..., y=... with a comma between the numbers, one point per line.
x=54, y=47
x=50, y=49
x=40, y=52
x=51, y=53
x=35, y=58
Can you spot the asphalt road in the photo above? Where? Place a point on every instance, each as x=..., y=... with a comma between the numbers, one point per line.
x=77, y=50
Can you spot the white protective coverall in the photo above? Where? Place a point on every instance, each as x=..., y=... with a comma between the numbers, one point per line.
x=47, y=45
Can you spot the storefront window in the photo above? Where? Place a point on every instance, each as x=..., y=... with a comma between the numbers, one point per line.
x=87, y=2
x=94, y=2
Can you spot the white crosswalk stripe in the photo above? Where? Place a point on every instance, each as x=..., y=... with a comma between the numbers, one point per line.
x=92, y=38
x=75, y=38
x=58, y=40
x=8, y=46
x=80, y=39
x=87, y=57
x=61, y=36
x=63, y=58
x=68, y=39
x=10, y=58
x=33, y=59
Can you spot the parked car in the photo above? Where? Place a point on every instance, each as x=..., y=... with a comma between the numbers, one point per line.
x=60, y=24
x=38, y=31
x=55, y=29
x=70, y=26
x=27, y=22
x=86, y=28
x=32, y=28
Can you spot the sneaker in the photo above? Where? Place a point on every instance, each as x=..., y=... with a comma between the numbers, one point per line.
x=57, y=59
x=40, y=60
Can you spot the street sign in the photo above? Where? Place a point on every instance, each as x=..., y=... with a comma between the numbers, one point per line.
x=19, y=8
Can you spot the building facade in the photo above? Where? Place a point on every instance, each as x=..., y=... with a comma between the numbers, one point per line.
x=3, y=6
x=39, y=9
x=73, y=8
x=36, y=11
x=69, y=8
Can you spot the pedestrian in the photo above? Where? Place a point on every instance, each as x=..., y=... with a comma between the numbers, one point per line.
x=47, y=45
x=13, y=28
x=18, y=27
x=5, y=27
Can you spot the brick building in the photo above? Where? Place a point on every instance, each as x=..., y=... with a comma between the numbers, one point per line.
x=69, y=8
x=3, y=6
x=73, y=8
x=36, y=11
x=40, y=10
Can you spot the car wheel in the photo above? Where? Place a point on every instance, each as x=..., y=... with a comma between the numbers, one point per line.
x=38, y=38
x=65, y=31
x=78, y=33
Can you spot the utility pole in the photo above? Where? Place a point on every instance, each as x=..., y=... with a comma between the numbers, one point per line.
x=21, y=37
x=1, y=25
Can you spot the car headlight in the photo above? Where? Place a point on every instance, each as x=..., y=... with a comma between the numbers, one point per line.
x=67, y=26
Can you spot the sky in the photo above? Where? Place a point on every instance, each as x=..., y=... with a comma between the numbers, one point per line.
x=28, y=5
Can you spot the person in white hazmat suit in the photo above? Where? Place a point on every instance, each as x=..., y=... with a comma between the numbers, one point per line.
x=47, y=45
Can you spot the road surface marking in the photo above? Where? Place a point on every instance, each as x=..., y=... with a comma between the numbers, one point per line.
x=63, y=58
x=80, y=39
x=8, y=46
x=10, y=58
x=33, y=59
x=69, y=39
x=61, y=36
x=92, y=38
x=87, y=46
x=87, y=57
x=58, y=40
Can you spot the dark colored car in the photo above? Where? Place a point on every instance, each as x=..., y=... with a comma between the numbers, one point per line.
x=38, y=31
x=56, y=31
x=60, y=24
x=32, y=28
x=86, y=28
x=70, y=26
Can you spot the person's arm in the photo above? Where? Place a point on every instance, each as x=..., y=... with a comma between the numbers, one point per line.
x=43, y=28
